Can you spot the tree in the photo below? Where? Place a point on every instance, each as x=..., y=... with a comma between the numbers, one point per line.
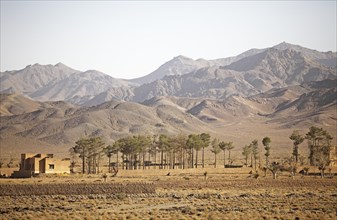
x=206, y=140
x=180, y=140
x=154, y=148
x=229, y=148
x=95, y=152
x=163, y=143
x=255, y=150
x=274, y=168
x=177, y=146
x=319, y=142
x=266, y=143
x=223, y=146
x=215, y=149
x=127, y=148
x=109, y=151
x=143, y=144
x=82, y=148
x=89, y=150
x=194, y=142
x=297, y=140
x=246, y=152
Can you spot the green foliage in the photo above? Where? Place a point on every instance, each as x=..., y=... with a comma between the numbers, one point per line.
x=297, y=139
x=246, y=152
x=255, y=150
x=319, y=143
x=90, y=151
x=215, y=149
x=266, y=143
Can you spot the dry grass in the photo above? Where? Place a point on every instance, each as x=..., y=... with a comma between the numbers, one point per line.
x=185, y=194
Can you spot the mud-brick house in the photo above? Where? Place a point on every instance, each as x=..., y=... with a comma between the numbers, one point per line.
x=32, y=164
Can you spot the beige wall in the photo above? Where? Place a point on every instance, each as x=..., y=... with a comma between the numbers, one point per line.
x=43, y=163
x=59, y=166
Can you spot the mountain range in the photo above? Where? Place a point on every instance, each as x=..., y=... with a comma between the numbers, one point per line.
x=260, y=92
x=252, y=72
x=54, y=126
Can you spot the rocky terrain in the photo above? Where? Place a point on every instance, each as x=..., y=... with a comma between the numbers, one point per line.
x=249, y=73
x=28, y=125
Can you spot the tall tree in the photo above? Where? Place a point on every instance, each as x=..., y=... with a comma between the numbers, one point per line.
x=82, y=147
x=96, y=152
x=229, y=148
x=297, y=139
x=90, y=151
x=246, y=152
x=206, y=140
x=194, y=141
x=266, y=143
x=215, y=149
x=255, y=151
x=109, y=151
x=181, y=146
x=223, y=147
x=319, y=142
x=163, y=143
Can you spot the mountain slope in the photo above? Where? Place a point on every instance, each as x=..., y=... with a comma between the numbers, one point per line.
x=277, y=112
x=179, y=65
x=250, y=73
x=249, y=76
x=58, y=82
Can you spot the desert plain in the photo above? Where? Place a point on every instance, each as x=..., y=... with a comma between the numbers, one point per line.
x=223, y=193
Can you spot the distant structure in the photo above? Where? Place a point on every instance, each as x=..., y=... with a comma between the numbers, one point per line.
x=32, y=164
x=333, y=156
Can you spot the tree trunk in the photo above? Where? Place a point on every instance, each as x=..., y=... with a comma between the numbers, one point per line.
x=203, y=159
x=83, y=162
x=109, y=164
x=183, y=159
x=117, y=160
x=155, y=158
x=192, y=158
x=255, y=162
x=229, y=158
x=174, y=159
x=196, y=159
x=143, y=160
x=296, y=156
x=224, y=158
x=274, y=175
x=161, y=160
x=149, y=159
x=98, y=164
x=214, y=160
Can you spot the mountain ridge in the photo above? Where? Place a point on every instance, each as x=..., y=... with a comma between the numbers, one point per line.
x=249, y=73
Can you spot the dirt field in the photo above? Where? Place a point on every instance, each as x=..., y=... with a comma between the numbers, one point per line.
x=184, y=194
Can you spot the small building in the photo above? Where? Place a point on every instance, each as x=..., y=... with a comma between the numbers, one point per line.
x=32, y=164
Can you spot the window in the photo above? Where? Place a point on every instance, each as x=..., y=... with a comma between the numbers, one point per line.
x=51, y=166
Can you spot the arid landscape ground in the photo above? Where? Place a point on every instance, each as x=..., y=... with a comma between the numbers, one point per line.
x=184, y=194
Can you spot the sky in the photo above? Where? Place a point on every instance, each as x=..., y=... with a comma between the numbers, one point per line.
x=129, y=39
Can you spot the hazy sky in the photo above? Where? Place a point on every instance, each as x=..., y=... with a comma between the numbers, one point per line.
x=131, y=39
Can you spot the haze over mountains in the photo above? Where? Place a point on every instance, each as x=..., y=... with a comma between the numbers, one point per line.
x=277, y=89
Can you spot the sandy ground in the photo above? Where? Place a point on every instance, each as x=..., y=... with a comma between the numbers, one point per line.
x=184, y=194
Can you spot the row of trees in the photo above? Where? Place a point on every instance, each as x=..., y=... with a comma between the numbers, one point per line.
x=181, y=151
x=142, y=151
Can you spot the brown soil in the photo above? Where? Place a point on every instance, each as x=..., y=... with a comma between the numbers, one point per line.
x=225, y=194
